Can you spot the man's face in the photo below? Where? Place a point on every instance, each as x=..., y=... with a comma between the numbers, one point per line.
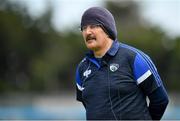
x=94, y=36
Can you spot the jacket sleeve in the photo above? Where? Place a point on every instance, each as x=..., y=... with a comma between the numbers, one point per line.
x=147, y=77
x=158, y=98
x=158, y=103
x=78, y=86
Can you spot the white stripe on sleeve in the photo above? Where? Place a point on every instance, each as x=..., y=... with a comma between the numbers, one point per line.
x=79, y=87
x=144, y=77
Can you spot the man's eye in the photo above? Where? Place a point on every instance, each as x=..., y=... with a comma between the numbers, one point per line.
x=84, y=28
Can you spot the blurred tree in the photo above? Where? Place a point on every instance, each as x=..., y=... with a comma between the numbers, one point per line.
x=20, y=42
x=173, y=65
x=34, y=57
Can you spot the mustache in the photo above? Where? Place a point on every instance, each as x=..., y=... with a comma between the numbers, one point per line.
x=89, y=37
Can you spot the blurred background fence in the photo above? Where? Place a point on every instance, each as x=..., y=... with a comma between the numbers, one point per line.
x=38, y=62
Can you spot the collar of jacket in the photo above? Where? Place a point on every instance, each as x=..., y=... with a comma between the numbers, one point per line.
x=105, y=59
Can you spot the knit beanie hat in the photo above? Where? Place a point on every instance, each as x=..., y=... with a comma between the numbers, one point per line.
x=98, y=15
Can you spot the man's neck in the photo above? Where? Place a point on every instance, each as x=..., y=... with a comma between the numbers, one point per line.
x=101, y=52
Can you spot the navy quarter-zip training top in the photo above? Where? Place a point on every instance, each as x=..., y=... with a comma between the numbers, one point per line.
x=115, y=87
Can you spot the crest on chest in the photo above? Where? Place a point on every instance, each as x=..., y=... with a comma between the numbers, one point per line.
x=114, y=67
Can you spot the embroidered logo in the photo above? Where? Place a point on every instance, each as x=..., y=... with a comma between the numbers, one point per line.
x=114, y=67
x=86, y=73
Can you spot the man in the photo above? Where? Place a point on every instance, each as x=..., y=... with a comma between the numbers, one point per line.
x=114, y=79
